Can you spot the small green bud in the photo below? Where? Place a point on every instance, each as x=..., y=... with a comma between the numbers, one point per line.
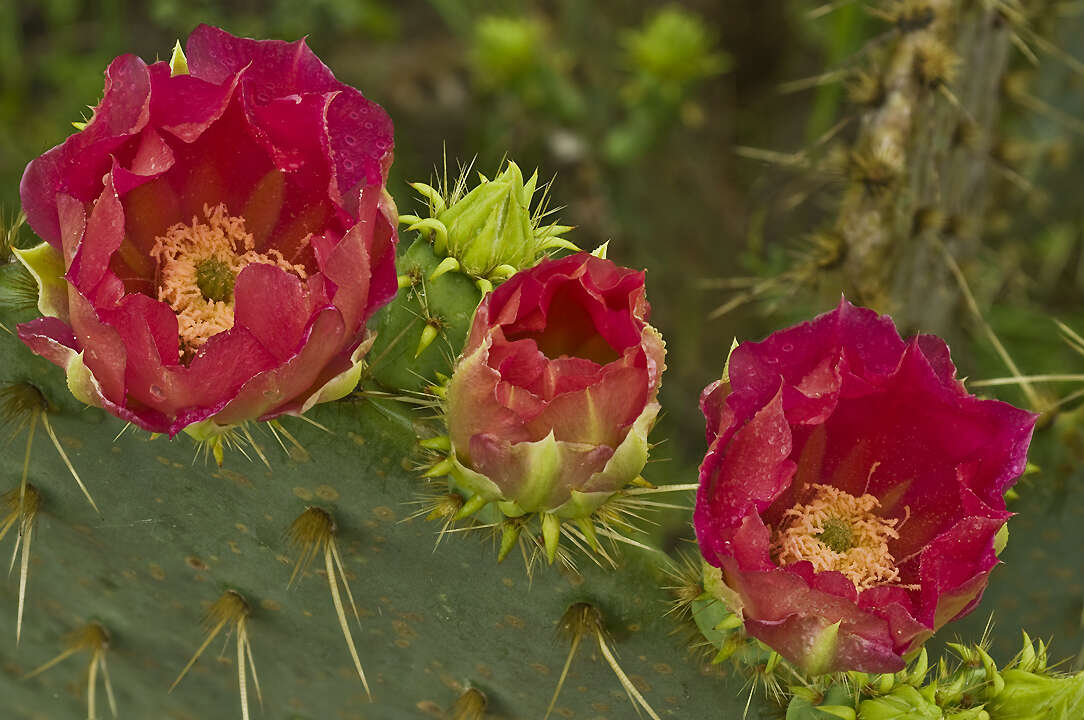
x=1001, y=539
x=1026, y=659
x=429, y=333
x=858, y=679
x=551, y=535
x=446, y=265
x=506, y=50
x=730, y=646
x=808, y=694
x=490, y=232
x=476, y=503
x=773, y=662
x=437, y=442
x=839, y=711
x=995, y=684
x=439, y=469
x=1035, y=696
x=510, y=530
x=673, y=51
x=885, y=683
x=730, y=622
x=178, y=63
x=587, y=527
x=903, y=703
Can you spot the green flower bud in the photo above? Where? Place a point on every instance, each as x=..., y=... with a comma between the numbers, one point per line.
x=506, y=50
x=490, y=232
x=903, y=703
x=1031, y=696
x=673, y=50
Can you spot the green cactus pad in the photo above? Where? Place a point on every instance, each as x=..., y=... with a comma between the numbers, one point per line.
x=174, y=534
x=446, y=304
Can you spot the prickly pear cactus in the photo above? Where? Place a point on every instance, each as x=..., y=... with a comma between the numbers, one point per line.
x=310, y=575
x=298, y=575
x=438, y=624
x=174, y=534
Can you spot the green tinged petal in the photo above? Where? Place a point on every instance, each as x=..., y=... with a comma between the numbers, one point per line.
x=542, y=462
x=178, y=63
x=712, y=578
x=81, y=381
x=46, y=265
x=344, y=383
x=475, y=482
x=822, y=651
x=1001, y=539
x=630, y=456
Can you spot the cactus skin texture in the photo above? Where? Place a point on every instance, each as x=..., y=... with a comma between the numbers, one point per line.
x=174, y=535
x=405, y=356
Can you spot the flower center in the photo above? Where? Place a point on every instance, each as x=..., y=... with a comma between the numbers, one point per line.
x=215, y=280
x=838, y=531
x=198, y=265
x=837, y=535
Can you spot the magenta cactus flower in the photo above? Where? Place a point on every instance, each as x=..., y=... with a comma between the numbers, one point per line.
x=549, y=407
x=216, y=237
x=853, y=489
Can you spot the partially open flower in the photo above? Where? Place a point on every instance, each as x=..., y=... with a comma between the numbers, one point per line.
x=853, y=489
x=214, y=241
x=550, y=405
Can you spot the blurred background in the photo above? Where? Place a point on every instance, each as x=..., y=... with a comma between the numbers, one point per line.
x=710, y=143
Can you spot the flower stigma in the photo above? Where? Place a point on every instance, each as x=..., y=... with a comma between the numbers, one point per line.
x=838, y=531
x=215, y=280
x=198, y=266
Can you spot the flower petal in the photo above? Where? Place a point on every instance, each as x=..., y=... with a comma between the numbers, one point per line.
x=76, y=167
x=782, y=610
x=274, y=306
x=537, y=475
x=745, y=470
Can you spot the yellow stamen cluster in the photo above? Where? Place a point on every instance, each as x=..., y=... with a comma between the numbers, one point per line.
x=838, y=531
x=197, y=265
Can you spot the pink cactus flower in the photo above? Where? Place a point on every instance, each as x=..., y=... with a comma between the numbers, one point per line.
x=853, y=489
x=550, y=405
x=216, y=236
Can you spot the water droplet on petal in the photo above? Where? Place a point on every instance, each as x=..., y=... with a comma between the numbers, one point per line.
x=157, y=393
